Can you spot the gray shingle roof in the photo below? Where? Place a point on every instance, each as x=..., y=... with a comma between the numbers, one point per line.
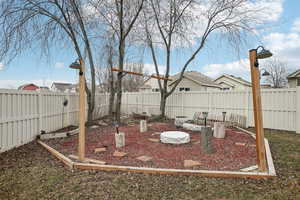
x=63, y=86
x=196, y=76
x=294, y=74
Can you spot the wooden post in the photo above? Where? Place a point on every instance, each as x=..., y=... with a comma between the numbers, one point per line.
x=257, y=112
x=206, y=139
x=81, y=142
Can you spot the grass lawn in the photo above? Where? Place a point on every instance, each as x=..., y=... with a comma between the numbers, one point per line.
x=30, y=172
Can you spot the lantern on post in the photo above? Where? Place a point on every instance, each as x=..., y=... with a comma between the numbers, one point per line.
x=224, y=115
x=205, y=115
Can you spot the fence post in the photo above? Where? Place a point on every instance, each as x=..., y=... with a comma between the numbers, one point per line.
x=68, y=110
x=246, y=107
x=142, y=103
x=209, y=102
x=182, y=103
x=298, y=109
x=40, y=111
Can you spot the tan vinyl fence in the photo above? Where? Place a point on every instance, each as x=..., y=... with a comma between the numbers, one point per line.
x=24, y=114
x=281, y=107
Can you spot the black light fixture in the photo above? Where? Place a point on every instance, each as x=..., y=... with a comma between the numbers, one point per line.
x=266, y=73
x=224, y=115
x=75, y=65
x=264, y=53
x=205, y=115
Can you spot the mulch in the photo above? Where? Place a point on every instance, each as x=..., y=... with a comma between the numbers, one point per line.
x=226, y=156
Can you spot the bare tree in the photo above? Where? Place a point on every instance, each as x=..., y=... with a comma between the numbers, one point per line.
x=131, y=83
x=49, y=23
x=278, y=73
x=106, y=77
x=173, y=23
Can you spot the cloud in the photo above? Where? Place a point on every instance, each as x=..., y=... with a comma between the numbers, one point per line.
x=285, y=46
x=296, y=25
x=59, y=65
x=1, y=66
x=240, y=68
x=14, y=84
x=150, y=68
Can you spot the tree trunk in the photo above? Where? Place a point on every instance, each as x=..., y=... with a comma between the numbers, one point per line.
x=89, y=102
x=119, y=98
x=163, y=100
x=111, y=99
x=111, y=102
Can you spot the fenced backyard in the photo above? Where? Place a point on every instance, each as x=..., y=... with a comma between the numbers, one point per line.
x=24, y=114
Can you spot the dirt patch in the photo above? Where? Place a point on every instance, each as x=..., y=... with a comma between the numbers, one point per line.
x=227, y=155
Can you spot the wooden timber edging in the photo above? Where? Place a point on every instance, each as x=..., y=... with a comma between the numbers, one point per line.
x=270, y=164
x=205, y=173
x=67, y=161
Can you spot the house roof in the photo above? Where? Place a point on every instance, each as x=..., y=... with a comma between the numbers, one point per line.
x=63, y=86
x=197, y=77
x=294, y=74
x=234, y=78
x=25, y=85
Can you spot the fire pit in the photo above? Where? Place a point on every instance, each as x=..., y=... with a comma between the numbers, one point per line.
x=174, y=137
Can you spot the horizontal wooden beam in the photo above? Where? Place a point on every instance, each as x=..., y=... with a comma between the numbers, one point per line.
x=206, y=173
x=141, y=74
x=67, y=161
x=88, y=160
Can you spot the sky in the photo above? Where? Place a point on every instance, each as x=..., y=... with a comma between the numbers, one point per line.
x=282, y=39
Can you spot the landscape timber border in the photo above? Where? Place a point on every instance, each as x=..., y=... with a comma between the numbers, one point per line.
x=205, y=173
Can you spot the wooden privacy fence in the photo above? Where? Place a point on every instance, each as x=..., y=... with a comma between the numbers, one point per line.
x=23, y=114
x=281, y=107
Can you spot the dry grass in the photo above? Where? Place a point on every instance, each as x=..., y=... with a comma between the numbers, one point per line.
x=29, y=172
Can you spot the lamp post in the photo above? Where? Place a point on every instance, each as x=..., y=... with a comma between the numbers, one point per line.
x=205, y=114
x=257, y=109
x=81, y=142
x=224, y=115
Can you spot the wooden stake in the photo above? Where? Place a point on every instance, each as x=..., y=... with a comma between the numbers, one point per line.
x=140, y=74
x=257, y=112
x=81, y=142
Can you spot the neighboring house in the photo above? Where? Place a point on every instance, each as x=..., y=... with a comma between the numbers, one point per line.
x=64, y=87
x=191, y=81
x=230, y=82
x=265, y=86
x=294, y=79
x=194, y=81
x=29, y=86
x=150, y=85
x=44, y=88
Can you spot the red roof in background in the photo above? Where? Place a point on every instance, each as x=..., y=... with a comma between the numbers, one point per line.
x=29, y=86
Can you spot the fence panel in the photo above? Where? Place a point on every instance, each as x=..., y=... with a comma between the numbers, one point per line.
x=280, y=107
x=24, y=114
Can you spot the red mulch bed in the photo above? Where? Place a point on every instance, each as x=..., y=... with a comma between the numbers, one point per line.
x=227, y=155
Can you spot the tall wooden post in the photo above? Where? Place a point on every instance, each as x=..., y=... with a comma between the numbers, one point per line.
x=81, y=142
x=257, y=111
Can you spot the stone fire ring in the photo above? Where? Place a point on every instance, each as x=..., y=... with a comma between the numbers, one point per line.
x=174, y=137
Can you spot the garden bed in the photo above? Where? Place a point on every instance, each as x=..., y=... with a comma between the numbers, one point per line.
x=235, y=152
